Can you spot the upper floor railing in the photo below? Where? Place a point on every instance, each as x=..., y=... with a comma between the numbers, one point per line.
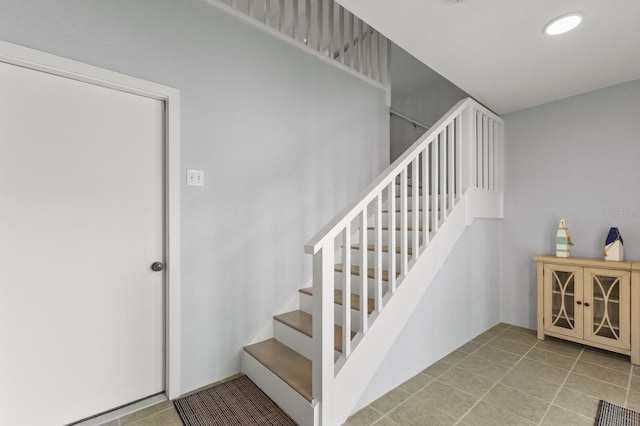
x=324, y=26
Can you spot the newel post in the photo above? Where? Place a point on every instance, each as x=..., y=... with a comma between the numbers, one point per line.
x=323, y=363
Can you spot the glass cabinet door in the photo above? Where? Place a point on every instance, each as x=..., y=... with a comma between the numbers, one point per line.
x=607, y=313
x=563, y=308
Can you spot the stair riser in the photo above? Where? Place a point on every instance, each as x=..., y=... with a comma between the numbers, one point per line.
x=296, y=340
x=385, y=219
x=306, y=303
x=371, y=259
x=371, y=236
x=355, y=284
x=281, y=393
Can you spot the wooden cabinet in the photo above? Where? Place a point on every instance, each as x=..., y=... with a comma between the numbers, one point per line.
x=590, y=301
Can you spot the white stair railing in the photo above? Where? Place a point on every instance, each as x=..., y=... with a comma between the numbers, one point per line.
x=324, y=26
x=414, y=196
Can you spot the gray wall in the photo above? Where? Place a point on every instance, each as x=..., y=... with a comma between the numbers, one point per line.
x=420, y=93
x=578, y=159
x=462, y=302
x=285, y=141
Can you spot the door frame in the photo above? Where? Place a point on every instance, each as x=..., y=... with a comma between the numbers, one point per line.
x=33, y=59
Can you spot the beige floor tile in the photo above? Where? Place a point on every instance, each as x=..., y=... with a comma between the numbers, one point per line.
x=385, y=421
x=635, y=383
x=531, y=385
x=455, y=357
x=552, y=358
x=483, y=367
x=391, y=400
x=636, y=370
x=145, y=412
x=470, y=347
x=562, y=347
x=520, y=337
x=115, y=422
x=509, y=346
x=600, y=372
x=483, y=338
x=499, y=328
x=520, y=403
x=577, y=402
x=365, y=417
x=596, y=388
x=498, y=356
x=560, y=417
x=447, y=399
x=541, y=371
x=633, y=400
x=607, y=359
x=467, y=382
x=415, y=411
x=524, y=330
x=485, y=414
x=416, y=383
x=167, y=417
x=437, y=369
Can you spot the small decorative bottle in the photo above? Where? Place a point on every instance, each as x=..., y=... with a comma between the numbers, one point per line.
x=613, y=246
x=563, y=240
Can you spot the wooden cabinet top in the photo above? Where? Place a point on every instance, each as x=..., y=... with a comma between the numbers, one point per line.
x=589, y=262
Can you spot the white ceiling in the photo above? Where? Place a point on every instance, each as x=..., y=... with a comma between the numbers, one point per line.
x=496, y=50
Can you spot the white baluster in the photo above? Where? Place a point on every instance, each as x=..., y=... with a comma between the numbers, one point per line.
x=451, y=168
x=307, y=24
x=346, y=291
x=415, y=215
x=391, y=219
x=352, y=56
x=485, y=152
x=435, y=183
x=378, y=252
x=364, y=272
x=443, y=172
x=342, y=39
x=425, y=195
x=491, y=160
x=403, y=224
x=459, y=156
x=478, y=153
x=331, y=23
x=320, y=25
x=267, y=12
x=294, y=20
x=280, y=15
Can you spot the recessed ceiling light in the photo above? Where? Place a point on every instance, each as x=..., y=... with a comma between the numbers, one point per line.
x=563, y=24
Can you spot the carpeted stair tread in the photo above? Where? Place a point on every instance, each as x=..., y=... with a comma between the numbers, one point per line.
x=355, y=270
x=385, y=249
x=287, y=364
x=337, y=296
x=302, y=322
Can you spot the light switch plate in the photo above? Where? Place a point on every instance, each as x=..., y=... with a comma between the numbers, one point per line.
x=195, y=177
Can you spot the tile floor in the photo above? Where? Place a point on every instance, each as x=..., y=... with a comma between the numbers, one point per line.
x=505, y=376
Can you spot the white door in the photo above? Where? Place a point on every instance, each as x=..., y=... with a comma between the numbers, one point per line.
x=81, y=222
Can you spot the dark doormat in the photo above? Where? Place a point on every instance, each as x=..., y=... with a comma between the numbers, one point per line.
x=236, y=402
x=613, y=415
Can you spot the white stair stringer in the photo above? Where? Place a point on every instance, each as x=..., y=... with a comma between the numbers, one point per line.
x=356, y=373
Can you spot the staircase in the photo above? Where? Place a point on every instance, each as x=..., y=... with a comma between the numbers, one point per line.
x=323, y=349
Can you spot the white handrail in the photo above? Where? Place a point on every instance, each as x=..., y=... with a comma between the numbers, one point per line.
x=461, y=151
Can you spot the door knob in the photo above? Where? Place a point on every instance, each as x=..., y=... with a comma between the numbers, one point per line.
x=157, y=266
